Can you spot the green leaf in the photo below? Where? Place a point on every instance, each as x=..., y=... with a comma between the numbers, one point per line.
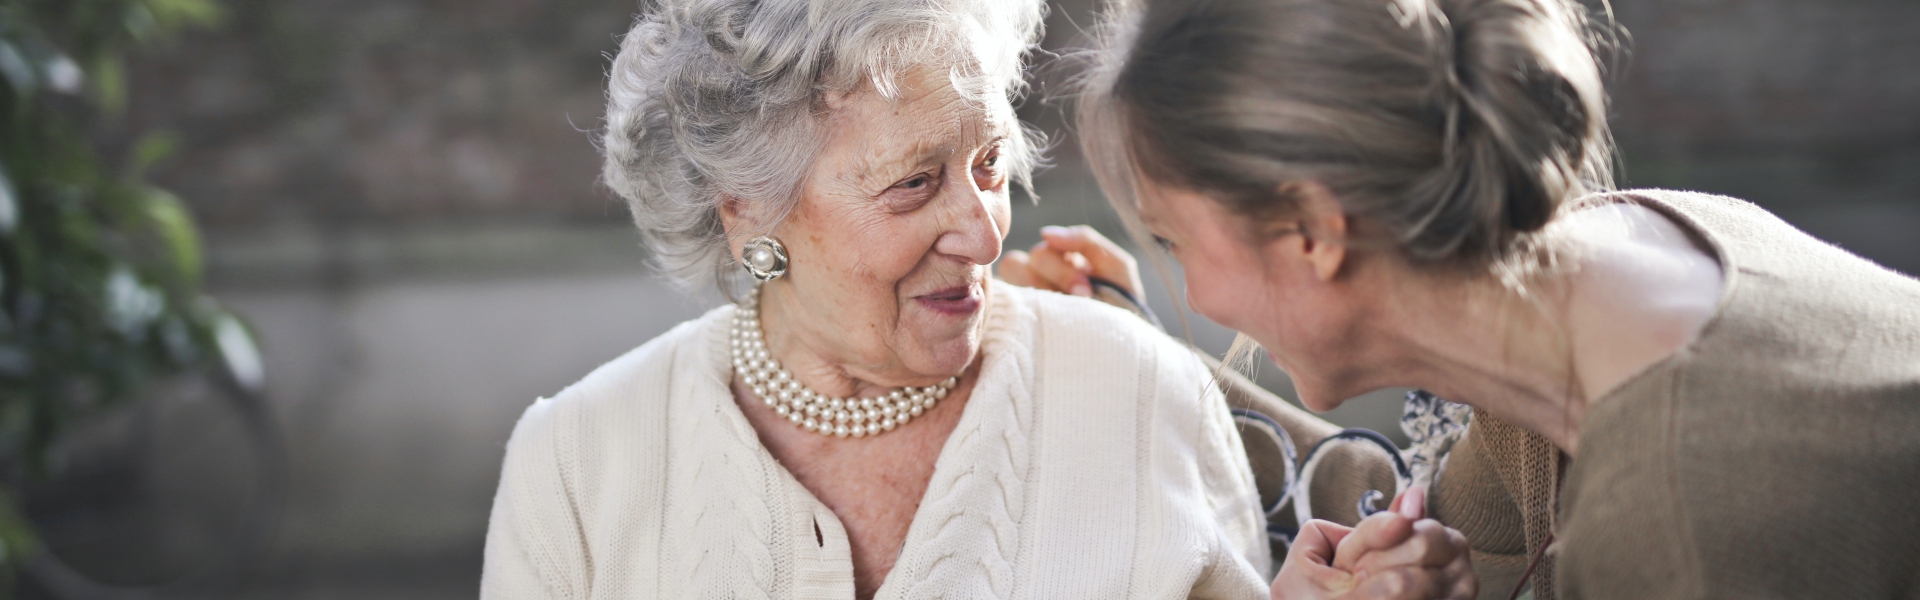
x=139, y=22
x=174, y=14
x=17, y=538
x=110, y=82
x=152, y=148
x=175, y=226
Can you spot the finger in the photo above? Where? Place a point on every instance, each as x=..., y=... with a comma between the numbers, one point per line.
x=1466, y=585
x=1014, y=269
x=1078, y=261
x=1108, y=260
x=1105, y=255
x=1428, y=547
x=1304, y=573
x=1052, y=266
x=1405, y=583
x=1411, y=503
x=1296, y=581
x=1383, y=530
x=1316, y=541
x=1431, y=545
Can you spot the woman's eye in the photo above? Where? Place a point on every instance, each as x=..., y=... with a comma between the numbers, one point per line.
x=1164, y=243
x=987, y=176
x=913, y=192
x=917, y=183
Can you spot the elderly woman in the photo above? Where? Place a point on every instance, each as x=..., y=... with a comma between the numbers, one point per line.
x=875, y=417
x=1673, y=394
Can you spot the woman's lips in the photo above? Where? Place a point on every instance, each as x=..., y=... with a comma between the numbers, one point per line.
x=957, y=300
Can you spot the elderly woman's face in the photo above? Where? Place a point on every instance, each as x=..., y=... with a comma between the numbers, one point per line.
x=904, y=210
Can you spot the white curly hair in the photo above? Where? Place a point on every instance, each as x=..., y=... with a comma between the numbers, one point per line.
x=723, y=99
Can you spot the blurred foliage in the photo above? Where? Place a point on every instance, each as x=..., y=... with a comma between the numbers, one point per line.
x=99, y=272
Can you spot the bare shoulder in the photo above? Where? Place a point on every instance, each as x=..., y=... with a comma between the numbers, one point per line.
x=1644, y=288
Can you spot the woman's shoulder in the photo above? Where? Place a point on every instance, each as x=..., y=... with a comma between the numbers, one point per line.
x=632, y=389
x=1755, y=240
x=1113, y=394
x=1080, y=342
x=1093, y=327
x=1794, y=409
x=1792, y=306
x=1095, y=339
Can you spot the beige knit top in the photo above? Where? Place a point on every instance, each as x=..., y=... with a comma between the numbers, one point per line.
x=1093, y=460
x=1775, y=456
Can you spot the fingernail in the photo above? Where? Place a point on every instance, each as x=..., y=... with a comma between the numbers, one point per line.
x=1083, y=290
x=1053, y=230
x=1413, y=504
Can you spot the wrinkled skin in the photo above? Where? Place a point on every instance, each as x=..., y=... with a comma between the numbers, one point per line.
x=900, y=216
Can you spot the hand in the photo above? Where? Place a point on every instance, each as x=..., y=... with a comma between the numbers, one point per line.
x=1395, y=554
x=1402, y=538
x=1066, y=258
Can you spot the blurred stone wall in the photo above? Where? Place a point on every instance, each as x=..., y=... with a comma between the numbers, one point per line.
x=376, y=113
x=1810, y=109
x=391, y=112
x=402, y=195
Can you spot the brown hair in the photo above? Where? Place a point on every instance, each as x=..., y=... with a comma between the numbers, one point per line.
x=1454, y=127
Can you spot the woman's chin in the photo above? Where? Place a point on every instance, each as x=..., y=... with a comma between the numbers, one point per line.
x=1322, y=396
x=943, y=347
x=1319, y=404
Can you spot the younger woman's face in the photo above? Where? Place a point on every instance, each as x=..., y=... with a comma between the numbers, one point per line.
x=1266, y=287
x=1220, y=267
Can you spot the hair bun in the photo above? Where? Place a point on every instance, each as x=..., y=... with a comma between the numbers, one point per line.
x=1454, y=127
x=1526, y=126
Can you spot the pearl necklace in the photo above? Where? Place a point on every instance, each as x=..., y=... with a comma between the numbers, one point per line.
x=819, y=413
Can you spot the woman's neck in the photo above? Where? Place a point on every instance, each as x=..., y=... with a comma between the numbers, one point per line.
x=1635, y=288
x=819, y=356
x=1487, y=345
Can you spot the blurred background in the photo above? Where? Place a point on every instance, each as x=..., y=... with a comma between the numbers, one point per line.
x=400, y=198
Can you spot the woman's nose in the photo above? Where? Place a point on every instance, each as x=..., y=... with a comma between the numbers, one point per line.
x=974, y=230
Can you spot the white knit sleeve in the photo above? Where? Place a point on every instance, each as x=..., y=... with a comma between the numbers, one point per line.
x=1242, y=555
x=534, y=543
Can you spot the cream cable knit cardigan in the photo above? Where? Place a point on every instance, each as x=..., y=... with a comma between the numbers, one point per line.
x=1094, y=460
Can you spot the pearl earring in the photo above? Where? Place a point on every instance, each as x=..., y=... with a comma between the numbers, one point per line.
x=764, y=257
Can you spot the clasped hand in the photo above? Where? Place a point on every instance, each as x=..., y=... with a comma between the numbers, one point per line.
x=1394, y=554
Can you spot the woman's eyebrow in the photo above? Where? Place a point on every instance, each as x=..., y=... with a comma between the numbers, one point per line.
x=876, y=165
x=889, y=162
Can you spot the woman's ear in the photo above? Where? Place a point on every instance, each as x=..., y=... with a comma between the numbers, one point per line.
x=1323, y=226
x=732, y=211
x=734, y=219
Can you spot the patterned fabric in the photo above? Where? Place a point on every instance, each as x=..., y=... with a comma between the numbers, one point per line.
x=1433, y=425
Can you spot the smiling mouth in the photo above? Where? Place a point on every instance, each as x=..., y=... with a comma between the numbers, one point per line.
x=957, y=300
